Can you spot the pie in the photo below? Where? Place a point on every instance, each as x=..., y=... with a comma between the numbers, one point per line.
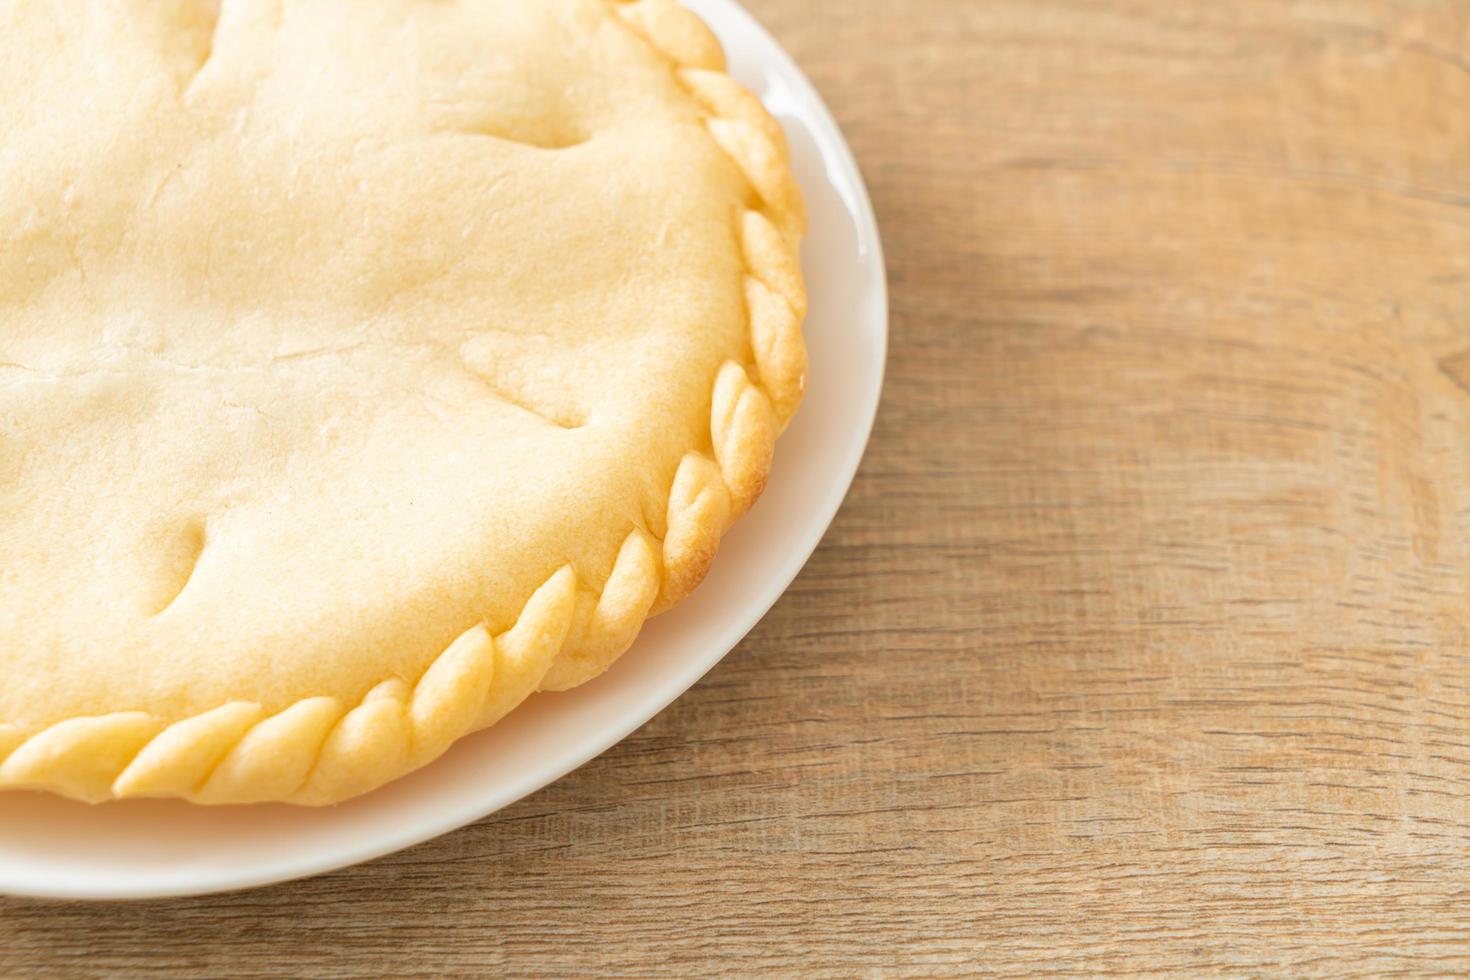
x=366, y=366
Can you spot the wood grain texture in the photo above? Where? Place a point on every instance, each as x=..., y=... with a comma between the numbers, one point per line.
x=1143, y=641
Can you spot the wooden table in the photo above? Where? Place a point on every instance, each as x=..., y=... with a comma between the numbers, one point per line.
x=1143, y=641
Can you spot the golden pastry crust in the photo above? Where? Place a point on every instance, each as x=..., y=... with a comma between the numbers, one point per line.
x=322, y=743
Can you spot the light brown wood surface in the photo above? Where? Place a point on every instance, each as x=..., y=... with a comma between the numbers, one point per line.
x=1143, y=640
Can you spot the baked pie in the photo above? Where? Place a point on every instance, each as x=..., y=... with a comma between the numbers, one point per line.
x=365, y=367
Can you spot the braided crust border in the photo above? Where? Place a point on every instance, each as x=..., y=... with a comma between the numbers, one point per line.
x=319, y=751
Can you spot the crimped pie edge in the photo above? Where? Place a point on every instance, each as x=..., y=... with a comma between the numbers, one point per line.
x=318, y=751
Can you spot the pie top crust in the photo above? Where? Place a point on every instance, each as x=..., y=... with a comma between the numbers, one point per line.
x=364, y=368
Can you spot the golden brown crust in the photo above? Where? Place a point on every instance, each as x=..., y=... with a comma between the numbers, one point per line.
x=319, y=750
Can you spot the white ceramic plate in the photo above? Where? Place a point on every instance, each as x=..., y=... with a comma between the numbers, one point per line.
x=145, y=849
